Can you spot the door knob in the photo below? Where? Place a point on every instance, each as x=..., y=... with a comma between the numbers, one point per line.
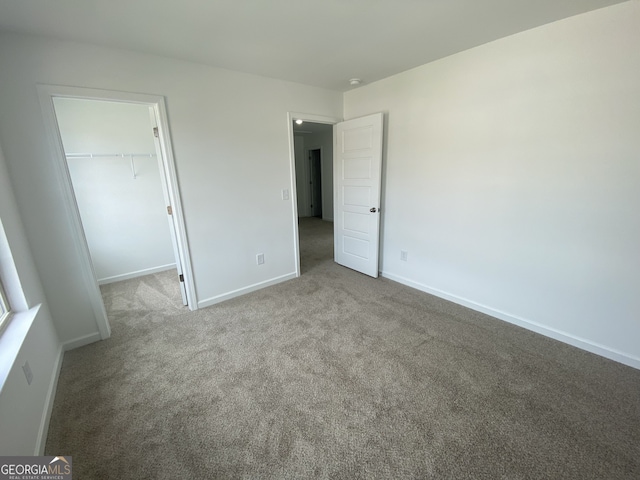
x=372, y=210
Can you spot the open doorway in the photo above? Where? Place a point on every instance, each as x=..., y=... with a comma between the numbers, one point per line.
x=313, y=151
x=117, y=178
x=162, y=141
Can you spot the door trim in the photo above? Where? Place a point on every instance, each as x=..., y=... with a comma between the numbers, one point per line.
x=307, y=117
x=46, y=94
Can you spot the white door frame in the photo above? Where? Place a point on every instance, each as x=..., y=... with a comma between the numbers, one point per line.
x=158, y=144
x=46, y=94
x=306, y=117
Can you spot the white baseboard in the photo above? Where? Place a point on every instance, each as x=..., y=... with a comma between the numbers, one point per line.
x=241, y=291
x=81, y=341
x=138, y=273
x=48, y=404
x=559, y=335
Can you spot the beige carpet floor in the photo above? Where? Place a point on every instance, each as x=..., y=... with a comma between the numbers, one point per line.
x=335, y=375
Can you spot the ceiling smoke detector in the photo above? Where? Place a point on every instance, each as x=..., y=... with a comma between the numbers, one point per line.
x=355, y=82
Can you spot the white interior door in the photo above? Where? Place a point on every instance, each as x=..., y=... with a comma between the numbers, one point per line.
x=167, y=199
x=357, y=177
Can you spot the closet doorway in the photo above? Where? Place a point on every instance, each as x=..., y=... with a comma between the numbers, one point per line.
x=113, y=165
x=117, y=173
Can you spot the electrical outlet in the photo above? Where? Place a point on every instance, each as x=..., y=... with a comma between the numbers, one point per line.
x=260, y=258
x=285, y=194
x=27, y=372
x=404, y=255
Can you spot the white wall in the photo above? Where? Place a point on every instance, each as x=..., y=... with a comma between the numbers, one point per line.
x=231, y=186
x=512, y=178
x=24, y=409
x=124, y=218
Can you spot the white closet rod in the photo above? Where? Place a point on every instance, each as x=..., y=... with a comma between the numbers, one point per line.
x=113, y=155
x=96, y=155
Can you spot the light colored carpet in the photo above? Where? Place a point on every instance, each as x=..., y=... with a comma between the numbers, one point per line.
x=336, y=375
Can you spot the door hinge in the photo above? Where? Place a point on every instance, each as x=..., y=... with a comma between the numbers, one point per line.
x=155, y=132
x=181, y=277
x=170, y=210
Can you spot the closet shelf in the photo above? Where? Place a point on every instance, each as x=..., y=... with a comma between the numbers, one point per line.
x=113, y=155
x=99, y=155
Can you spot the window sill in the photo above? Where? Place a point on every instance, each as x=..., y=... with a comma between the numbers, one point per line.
x=11, y=339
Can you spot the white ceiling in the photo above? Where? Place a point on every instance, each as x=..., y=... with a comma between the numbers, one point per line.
x=316, y=42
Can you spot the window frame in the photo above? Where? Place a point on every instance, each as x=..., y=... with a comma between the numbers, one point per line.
x=5, y=308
